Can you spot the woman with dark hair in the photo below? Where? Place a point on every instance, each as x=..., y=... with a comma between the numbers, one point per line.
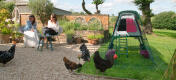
x=53, y=26
x=30, y=33
x=30, y=24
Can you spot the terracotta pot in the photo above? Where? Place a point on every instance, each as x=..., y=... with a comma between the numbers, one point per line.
x=89, y=41
x=4, y=38
x=93, y=41
x=14, y=42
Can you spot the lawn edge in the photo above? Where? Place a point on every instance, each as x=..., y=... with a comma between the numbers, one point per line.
x=105, y=77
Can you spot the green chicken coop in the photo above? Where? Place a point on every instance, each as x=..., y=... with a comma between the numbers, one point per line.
x=128, y=24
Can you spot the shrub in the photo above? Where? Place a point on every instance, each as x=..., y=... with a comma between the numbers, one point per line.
x=76, y=26
x=4, y=14
x=68, y=26
x=98, y=36
x=69, y=34
x=5, y=30
x=164, y=20
x=7, y=5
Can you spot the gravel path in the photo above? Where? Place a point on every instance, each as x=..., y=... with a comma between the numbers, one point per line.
x=30, y=64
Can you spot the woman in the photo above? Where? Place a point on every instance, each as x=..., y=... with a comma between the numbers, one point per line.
x=53, y=26
x=30, y=33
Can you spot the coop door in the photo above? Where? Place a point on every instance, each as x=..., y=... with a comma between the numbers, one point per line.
x=122, y=25
x=130, y=24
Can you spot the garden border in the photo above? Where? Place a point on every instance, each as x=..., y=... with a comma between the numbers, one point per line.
x=105, y=77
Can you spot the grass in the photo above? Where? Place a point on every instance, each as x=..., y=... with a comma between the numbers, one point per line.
x=135, y=66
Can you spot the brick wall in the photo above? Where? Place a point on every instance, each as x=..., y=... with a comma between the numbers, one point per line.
x=103, y=18
x=25, y=17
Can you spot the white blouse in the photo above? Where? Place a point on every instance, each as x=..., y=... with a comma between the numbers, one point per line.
x=54, y=26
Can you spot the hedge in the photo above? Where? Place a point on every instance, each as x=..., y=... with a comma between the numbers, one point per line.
x=164, y=20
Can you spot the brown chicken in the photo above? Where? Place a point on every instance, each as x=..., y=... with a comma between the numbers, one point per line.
x=71, y=65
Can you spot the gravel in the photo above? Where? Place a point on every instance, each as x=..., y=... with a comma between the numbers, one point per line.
x=30, y=64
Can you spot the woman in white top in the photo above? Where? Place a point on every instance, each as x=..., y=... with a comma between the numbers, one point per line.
x=53, y=26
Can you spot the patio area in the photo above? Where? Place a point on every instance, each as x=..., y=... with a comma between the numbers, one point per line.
x=30, y=64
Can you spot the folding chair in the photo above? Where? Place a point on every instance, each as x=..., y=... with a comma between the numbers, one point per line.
x=49, y=40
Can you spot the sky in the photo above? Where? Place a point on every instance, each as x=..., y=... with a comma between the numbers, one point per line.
x=114, y=6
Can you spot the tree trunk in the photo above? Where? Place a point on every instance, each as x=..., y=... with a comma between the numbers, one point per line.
x=147, y=20
x=98, y=11
x=84, y=8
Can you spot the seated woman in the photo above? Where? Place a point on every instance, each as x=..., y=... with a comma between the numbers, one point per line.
x=53, y=26
x=30, y=33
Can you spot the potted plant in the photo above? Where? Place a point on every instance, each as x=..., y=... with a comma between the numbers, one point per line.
x=100, y=37
x=5, y=35
x=69, y=35
x=95, y=39
x=92, y=39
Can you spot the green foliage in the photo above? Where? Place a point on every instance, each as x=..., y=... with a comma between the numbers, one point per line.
x=144, y=6
x=142, y=3
x=69, y=34
x=72, y=25
x=98, y=2
x=164, y=20
x=6, y=30
x=42, y=8
x=97, y=36
x=7, y=5
x=4, y=14
x=67, y=26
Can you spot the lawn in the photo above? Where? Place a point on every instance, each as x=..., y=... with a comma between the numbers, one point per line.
x=162, y=44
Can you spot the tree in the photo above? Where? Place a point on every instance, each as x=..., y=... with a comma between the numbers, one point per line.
x=97, y=3
x=84, y=8
x=42, y=9
x=144, y=6
x=7, y=5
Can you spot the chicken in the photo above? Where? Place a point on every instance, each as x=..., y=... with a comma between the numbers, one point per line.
x=100, y=63
x=71, y=65
x=6, y=56
x=85, y=52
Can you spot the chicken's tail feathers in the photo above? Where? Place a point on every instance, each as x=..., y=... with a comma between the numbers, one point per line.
x=12, y=49
x=64, y=59
x=96, y=53
x=79, y=65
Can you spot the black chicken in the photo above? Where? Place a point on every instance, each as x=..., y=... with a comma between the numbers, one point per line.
x=70, y=65
x=100, y=63
x=6, y=56
x=85, y=52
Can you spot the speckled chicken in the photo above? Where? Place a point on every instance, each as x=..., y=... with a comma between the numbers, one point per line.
x=85, y=52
